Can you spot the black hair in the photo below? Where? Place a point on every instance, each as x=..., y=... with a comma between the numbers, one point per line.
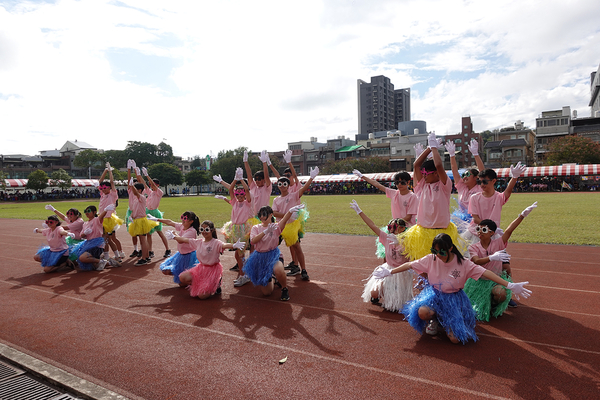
x=398, y=222
x=284, y=179
x=288, y=169
x=139, y=186
x=266, y=211
x=444, y=242
x=488, y=173
x=429, y=165
x=105, y=183
x=258, y=175
x=53, y=217
x=195, y=221
x=93, y=209
x=74, y=211
x=489, y=223
x=156, y=181
x=402, y=176
x=473, y=171
x=211, y=226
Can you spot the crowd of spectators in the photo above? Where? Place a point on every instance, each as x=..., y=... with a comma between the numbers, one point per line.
x=54, y=194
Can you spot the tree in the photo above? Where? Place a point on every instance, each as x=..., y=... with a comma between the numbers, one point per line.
x=37, y=180
x=164, y=153
x=167, y=174
x=61, y=179
x=116, y=158
x=88, y=158
x=573, y=149
x=196, y=178
x=3, y=176
x=228, y=161
x=143, y=153
x=367, y=165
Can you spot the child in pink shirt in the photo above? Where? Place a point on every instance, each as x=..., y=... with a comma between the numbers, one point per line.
x=56, y=254
x=141, y=225
x=153, y=196
x=109, y=196
x=90, y=252
x=185, y=257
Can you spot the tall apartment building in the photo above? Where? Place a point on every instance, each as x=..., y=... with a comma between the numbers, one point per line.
x=380, y=107
x=595, y=94
x=464, y=158
x=551, y=126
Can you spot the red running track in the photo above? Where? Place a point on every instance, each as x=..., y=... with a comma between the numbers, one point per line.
x=133, y=331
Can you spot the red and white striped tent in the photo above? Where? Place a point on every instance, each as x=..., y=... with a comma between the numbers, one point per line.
x=21, y=183
x=555, y=170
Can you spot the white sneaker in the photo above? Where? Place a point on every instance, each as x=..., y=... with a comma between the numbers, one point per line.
x=432, y=328
x=101, y=265
x=241, y=280
x=114, y=263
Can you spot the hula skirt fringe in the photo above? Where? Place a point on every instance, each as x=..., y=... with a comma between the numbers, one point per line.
x=453, y=311
x=480, y=295
x=303, y=215
x=83, y=247
x=51, y=258
x=141, y=226
x=394, y=290
x=178, y=263
x=128, y=218
x=460, y=217
x=158, y=214
x=380, y=248
x=205, y=279
x=234, y=232
x=259, y=266
x=112, y=224
x=417, y=240
x=72, y=243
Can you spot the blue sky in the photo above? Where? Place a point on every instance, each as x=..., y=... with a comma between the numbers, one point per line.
x=211, y=76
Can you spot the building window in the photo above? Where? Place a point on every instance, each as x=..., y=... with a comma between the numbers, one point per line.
x=458, y=141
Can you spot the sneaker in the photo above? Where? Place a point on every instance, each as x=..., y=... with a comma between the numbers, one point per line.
x=218, y=290
x=234, y=268
x=432, y=328
x=150, y=254
x=512, y=304
x=304, y=275
x=142, y=261
x=121, y=255
x=290, y=265
x=114, y=263
x=295, y=270
x=285, y=294
x=375, y=301
x=101, y=265
x=167, y=254
x=135, y=254
x=241, y=280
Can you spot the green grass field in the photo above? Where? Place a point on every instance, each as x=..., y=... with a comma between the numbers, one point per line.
x=561, y=218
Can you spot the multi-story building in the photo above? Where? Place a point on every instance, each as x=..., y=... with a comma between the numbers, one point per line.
x=509, y=146
x=380, y=107
x=595, y=94
x=464, y=158
x=551, y=126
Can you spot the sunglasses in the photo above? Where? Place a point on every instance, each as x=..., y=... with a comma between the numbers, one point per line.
x=50, y=221
x=88, y=210
x=392, y=227
x=441, y=253
x=240, y=193
x=282, y=184
x=103, y=187
x=466, y=174
x=401, y=183
x=207, y=229
x=482, y=229
x=425, y=172
x=483, y=181
x=184, y=217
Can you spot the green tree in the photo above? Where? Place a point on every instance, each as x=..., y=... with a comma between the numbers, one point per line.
x=229, y=160
x=116, y=158
x=369, y=165
x=61, y=179
x=573, y=149
x=88, y=158
x=196, y=178
x=3, y=176
x=143, y=153
x=37, y=180
x=164, y=153
x=167, y=174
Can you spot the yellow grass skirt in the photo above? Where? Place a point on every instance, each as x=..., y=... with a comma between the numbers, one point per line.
x=141, y=226
x=111, y=224
x=417, y=240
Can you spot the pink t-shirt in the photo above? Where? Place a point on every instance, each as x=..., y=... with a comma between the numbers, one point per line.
x=106, y=200
x=487, y=207
x=76, y=227
x=190, y=233
x=294, y=187
x=447, y=277
x=283, y=204
x=153, y=199
x=261, y=196
x=464, y=193
x=208, y=253
x=495, y=245
x=96, y=226
x=269, y=241
x=137, y=205
x=434, y=203
x=56, y=241
x=393, y=253
x=402, y=205
x=241, y=211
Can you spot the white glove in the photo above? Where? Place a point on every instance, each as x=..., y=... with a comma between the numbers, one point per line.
x=45, y=225
x=217, y=178
x=71, y=235
x=473, y=147
x=518, y=289
x=49, y=207
x=287, y=156
x=96, y=184
x=418, y=149
x=381, y=272
x=392, y=239
x=35, y=230
x=355, y=207
x=219, y=197
x=239, y=174
x=314, y=172
x=108, y=166
x=268, y=160
x=129, y=163
x=270, y=228
x=110, y=207
x=297, y=208
x=239, y=245
x=517, y=170
x=137, y=170
x=169, y=234
x=451, y=148
x=151, y=217
x=264, y=156
x=501, y=255
x=133, y=165
x=88, y=231
x=145, y=171
x=432, y=141
x=245, y=157
x=528, y=210
x=131, y=182
x=357, y=173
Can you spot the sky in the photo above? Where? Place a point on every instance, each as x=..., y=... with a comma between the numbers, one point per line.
x=205, y=76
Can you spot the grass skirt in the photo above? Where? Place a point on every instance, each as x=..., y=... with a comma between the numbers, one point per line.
x=51, y=258
x=394, y=290
x=205, y=279
x=178, y=263
x=480, y=294
x=128, y=218
x=112, y=224
x=453, y=311
x=303, y=215
x=417, y=240
x=85, y=247
x=141, y=226
x=72, y=243
x=158, y=214
x=233, y=232
x=380, y=248
x=259, y=266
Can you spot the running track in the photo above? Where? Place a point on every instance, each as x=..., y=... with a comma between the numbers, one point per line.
x=131, y=330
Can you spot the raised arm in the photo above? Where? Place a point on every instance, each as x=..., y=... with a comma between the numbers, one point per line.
x=473, y=147
x=313, y=173
x=58, y=213
x=371, y=181
x=513, y=225
x=247, y=165
x=451, y=148
x=367, y=220
x=515, y=173
x=437, y=160
x=417, y=176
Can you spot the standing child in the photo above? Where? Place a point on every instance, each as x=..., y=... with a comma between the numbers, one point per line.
x=391, y=292
x=154, y=194
x=205, y=277
x=108, y=196
x=56, y=254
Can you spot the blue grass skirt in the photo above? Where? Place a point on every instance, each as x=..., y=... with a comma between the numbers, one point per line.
x=234, y=232
x=394, y=290
x=205, y=279
x=112, y=224
x=51, y=258
x=141, y=226
x=158, y=214
x=417, y=240
x=259, y=266
x=453, y=311
x=178, y=263
x=480, y=295
x=72, y=243
x=84, y=247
